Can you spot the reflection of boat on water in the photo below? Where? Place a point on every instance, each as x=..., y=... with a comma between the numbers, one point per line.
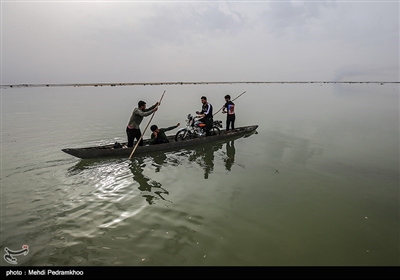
x=107, y=151
x=149, y=188
x=152, y=190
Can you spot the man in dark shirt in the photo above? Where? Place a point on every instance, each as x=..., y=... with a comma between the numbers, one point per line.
x=206, y=114
x=158, y=134
x=229, y=109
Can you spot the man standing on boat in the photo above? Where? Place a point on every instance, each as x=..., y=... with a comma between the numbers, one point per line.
x=229, y=109
x=133, y=128
x=206, y=114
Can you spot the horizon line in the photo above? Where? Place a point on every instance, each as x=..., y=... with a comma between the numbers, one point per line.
x=191, y=83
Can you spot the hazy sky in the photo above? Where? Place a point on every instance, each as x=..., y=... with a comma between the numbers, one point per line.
x=198, y=41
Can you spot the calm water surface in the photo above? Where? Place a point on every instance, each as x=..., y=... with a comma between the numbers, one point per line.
x=317, y=185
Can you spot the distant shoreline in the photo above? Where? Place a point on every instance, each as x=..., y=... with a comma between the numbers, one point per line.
x=186, y=83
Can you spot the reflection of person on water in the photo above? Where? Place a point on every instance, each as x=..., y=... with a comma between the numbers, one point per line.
x=207, y=154
x=209, y=162
x=159, y=160
x=146, y=184
x=230, y=152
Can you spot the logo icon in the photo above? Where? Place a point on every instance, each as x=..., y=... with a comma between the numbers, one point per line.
x=9, y=256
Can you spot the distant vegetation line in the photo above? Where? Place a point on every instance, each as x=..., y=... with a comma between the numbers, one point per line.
x=191, y=83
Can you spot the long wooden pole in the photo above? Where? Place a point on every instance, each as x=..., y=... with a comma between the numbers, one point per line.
x=231, y=100
x=141, y=136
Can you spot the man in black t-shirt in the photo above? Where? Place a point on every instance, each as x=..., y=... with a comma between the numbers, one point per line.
x=206, y=114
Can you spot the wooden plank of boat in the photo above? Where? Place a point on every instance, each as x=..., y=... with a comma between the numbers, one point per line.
x=107, y=151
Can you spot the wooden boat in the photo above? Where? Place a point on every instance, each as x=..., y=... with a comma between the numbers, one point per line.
x=107, y=151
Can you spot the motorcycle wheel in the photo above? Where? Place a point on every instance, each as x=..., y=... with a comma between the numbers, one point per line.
x=215, y=131
x=180, y=135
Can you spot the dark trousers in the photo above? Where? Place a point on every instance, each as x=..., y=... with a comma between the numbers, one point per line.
x=230, y=122
x=209, y=124
x=132, y=134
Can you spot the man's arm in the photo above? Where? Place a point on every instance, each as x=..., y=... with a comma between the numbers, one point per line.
x=208, y=110
x=172, y=127
x=146, y=112
x=152, y=107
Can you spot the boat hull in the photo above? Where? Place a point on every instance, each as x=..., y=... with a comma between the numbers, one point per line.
x=108, y=151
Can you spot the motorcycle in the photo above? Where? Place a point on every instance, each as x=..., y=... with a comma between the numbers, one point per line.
x=194, y=129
